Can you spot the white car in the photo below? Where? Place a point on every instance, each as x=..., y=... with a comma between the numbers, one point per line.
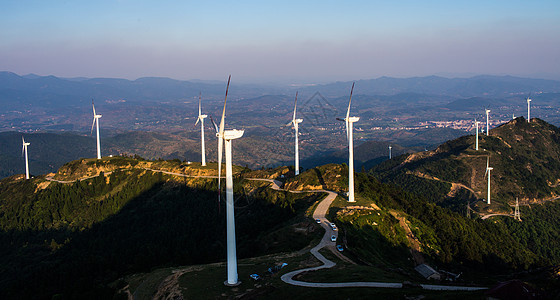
x=333, y=238
x=318, y=221
x=339, y=248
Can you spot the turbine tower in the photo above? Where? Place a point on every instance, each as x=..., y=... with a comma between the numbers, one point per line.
x=487, y=126
x=24, y=149
x=225, y=137
x=201, y=119
x=476, y=125
x=390, y=152
x=295, y=122
x=349, y=121
x=488, y=169
x=516, y=213
x=96, y=123
x=528, y=109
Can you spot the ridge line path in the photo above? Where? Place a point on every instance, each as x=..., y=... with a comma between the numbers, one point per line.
x=320, y=213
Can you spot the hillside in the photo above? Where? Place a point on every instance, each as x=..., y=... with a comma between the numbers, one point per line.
x=75, y=238
x=383, y=234
x=113, y=224
x=525, y=157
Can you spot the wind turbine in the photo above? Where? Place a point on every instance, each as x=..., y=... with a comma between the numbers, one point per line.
x=349, y=121
x=488, y=169
x=201, y=119
x=390, y=152
x=529, y=109
x=24, y=149
x=295, y=122
x=487, y=118
x=476, y=124
x=96, y=123
x=225, y=137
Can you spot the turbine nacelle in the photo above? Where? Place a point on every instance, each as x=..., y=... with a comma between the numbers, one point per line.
x=231, y=134
x=352, y=119
x=200, y=118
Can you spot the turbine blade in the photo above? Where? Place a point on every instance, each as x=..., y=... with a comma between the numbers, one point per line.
x=224, y=110
x=347, y=130
x=295, y=106
x=199, y=104
x=220, y=150
x=198, y=119
x=350, y=101
x=93, y=106
x=221, y=140
x=215, y=126
x=93, y=124
x=23, y=145
x=339, y=119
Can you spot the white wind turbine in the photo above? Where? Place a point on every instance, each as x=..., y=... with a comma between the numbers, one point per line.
x=488, y=169
x=24, y=150
x=528, y=109
x=476, y=125
x=96, y=123
x=225, y=136
x=487, y=121
x=349, y=121
x=201, y=119
x=295, y=122
x=390, y=152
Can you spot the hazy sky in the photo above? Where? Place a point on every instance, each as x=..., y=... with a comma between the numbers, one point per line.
x=288, y=41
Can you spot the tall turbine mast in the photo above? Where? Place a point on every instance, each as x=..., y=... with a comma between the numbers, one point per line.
x=201, y=119
x=516, y=213
x=476, y=125
x=390, y=152
x=225, y=137
x=528, y=109
x=24, y=150
x=295, y=122
x=488, y=169
x=349, y=121
x=487, y=122
x=96, y=122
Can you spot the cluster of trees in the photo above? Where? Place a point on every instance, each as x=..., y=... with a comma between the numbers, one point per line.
x=491, y=245
x=75, y=239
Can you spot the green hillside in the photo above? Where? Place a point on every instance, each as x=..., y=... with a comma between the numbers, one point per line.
x=75, y=238
x=525, y=158
x=114, y=224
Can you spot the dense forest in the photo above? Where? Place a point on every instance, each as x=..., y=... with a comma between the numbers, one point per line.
x=76, y=239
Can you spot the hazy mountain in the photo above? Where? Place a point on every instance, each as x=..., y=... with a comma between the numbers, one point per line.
x=434, y=85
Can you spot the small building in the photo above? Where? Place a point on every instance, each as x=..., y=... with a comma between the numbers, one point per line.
x=427, y=272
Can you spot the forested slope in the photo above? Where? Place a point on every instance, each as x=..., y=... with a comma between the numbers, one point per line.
x=74, y=239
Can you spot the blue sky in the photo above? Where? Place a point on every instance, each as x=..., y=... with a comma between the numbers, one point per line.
x=286, y=41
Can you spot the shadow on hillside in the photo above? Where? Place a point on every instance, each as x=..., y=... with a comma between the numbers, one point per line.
x=320, y=177
x=167, y=224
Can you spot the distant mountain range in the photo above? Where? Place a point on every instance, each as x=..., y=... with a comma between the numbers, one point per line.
x=18, y=91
